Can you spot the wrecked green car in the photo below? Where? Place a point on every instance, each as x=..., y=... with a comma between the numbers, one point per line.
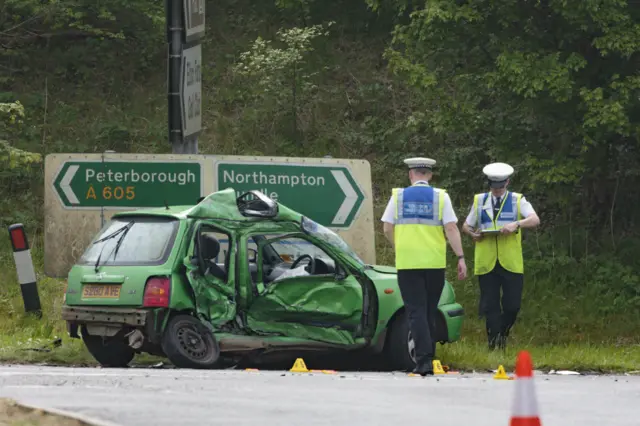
x=159, y=281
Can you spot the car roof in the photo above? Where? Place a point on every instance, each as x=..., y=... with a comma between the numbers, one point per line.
x=217, y=205
x=179, y=212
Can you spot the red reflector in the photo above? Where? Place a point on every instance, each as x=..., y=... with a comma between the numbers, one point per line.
x=388, y=290
x=156, y=293
x=19, y=239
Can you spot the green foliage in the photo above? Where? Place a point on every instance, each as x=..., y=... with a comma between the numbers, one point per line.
x=11, y=116
x=281, y=77
x=304, y=6
x=551, y=87
x=274, y=69
x=16, y=158
x=79, y=33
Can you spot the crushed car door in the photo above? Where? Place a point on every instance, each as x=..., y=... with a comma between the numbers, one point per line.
x=303, y=292
x=210, y=271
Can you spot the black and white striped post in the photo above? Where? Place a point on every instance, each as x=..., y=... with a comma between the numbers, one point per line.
x=24, y=268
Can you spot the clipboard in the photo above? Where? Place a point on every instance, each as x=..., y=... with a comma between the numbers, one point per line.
x=494, y=232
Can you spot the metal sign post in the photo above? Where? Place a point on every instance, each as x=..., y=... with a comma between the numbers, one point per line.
x=185, y=28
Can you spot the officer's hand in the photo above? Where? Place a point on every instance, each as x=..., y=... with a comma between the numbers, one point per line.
x=462, y=269
x=509, y=228
x=477, y=236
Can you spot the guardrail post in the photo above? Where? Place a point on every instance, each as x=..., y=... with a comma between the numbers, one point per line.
x=24, y=268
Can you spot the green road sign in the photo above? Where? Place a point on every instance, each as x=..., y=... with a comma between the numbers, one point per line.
x=91, y=184
x=326, y=193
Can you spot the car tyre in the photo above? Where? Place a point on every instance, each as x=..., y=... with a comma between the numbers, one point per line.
x=188, y=344
x=400, y=344
x=108, y=352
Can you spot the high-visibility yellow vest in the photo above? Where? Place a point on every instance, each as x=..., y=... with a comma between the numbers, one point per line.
x=505, y=248
x=418, y=234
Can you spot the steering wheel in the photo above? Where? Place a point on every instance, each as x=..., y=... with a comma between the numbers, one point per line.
x=311, y=268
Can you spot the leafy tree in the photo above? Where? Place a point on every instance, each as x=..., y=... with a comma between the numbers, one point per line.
x=278, y=76
x=79, y=34
x=551, y=86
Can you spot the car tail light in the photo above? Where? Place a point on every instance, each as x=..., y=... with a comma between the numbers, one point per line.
x=64, y=295
x=156, y=292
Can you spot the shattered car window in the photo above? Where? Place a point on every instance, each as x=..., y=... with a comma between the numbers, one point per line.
x=325, y=234
x=290, y=249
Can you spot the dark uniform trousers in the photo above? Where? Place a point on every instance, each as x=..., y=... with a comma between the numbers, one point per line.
x=421, y=290
x=500, y=317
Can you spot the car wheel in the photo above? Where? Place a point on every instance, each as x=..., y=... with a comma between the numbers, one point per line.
x=401, y=348
x=108, y=352
x=188, y=344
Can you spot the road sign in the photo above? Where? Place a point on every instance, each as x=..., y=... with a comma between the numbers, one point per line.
x=95, y=184
x=73, y=217
x=191, y=91
x=327, y=193
x=193, y=19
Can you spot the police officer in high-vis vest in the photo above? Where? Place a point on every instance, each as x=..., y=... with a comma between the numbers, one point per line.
x=415, y=222
x=494, y=222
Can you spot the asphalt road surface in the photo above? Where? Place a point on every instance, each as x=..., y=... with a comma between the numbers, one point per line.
x=237, y=397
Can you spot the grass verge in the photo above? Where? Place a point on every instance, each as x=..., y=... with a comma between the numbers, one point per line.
x=15, y=414
x=581, y=357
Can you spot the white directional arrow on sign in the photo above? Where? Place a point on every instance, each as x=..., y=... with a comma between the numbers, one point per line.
x=65, y=184
x=350, y=200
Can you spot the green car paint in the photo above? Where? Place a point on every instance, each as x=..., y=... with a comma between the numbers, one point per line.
x=135, y=298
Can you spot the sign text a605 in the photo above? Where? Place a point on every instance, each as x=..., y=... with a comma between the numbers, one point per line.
x=128, y=184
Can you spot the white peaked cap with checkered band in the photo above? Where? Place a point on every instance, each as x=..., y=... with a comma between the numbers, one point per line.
x=498, y=172
x=420, y=163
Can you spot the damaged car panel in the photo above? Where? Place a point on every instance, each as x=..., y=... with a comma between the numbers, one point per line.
x=230, y=276
x=303, y=292
x=212, y=282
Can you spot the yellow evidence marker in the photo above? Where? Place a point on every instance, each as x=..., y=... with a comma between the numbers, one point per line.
x=299, y=366
x=501, y=374
x=437, y=367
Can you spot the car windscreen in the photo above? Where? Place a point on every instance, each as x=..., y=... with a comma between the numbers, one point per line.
x=325, y=234
x=148, y=241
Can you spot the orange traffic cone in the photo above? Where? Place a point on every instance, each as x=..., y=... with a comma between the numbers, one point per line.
x=525, y=405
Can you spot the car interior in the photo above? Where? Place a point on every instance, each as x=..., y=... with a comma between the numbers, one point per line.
x=274, y=265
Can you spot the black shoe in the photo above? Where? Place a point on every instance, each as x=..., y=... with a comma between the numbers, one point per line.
x=423, y=370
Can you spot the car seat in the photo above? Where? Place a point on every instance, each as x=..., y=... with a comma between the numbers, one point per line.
x=210, y=248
